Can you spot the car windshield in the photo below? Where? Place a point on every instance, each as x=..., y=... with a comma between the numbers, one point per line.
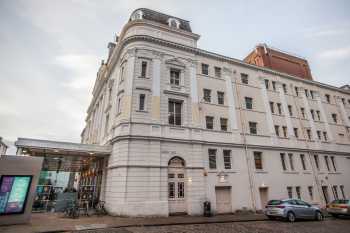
x=341, y=202
x=275, y=202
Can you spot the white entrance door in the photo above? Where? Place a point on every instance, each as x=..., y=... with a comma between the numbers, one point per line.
x=176, y=187
x=223, y=200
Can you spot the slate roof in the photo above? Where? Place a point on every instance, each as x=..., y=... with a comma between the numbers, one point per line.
x=162, y=18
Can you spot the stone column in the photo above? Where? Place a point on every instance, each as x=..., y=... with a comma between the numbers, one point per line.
x=228, y=75
x=270, y=125
x=340, y=103
x=129, y=80
x=156, y=86
x=286, y=111
x=194, y=94
x=324, y=116
x=308, y=113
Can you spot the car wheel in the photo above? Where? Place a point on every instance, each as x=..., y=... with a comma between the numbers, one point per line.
x=291, y=217
x=319, y=216
x=334, y=215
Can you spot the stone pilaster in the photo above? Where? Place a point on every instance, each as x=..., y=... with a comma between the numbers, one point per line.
x=157, y=61
x=228, y=75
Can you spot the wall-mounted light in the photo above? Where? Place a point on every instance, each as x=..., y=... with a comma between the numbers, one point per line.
x=222, y=179
x=189, y=179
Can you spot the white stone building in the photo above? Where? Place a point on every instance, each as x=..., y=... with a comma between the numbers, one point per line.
x=187, y=125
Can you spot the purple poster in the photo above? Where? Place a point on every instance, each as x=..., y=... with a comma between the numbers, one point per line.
x=13, y=193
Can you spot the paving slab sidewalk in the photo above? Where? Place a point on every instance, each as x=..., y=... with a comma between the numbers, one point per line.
x=51, y=222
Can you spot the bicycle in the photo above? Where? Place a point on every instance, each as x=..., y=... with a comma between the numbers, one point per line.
x=72, y=210
x=100, y=208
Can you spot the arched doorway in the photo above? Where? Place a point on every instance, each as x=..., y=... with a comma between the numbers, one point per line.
x=177, y=186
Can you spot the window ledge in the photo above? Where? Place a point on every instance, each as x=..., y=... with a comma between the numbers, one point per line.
x=143, y=111
x=141, y=77
x=307, y=172
x=261, y=171
x=334, y=173
x=290, y=172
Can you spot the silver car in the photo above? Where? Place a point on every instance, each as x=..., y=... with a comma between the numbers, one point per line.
x=292, y=209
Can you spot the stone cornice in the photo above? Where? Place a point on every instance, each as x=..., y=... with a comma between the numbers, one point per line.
x=236, y=145
x=219, y=57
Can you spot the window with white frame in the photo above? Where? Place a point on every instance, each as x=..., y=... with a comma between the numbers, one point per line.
x=311, y=192
x=205, y=69
x=122, y=71
x=221, y=97
x=143, y=69
x=290, y=192
x=119, y=104
x=174, y=112
x=207, y=95
x=212, y=158
x=209, y=121
x=253, y=127
x=217, y=72
x=227, y=159
x=175, y=77
x=223, y=124
x=303, y=163
x=291, y=161
x=142, y=100
x=298, y=192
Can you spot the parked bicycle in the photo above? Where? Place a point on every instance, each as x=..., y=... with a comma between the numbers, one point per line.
x=72, y=209
x=100, y=208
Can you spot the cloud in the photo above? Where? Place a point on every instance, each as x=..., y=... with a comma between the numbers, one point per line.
x=335, y=54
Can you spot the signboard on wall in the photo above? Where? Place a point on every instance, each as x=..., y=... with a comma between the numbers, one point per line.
x=13, y=193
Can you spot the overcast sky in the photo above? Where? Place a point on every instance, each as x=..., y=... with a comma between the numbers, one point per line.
x=50, y=50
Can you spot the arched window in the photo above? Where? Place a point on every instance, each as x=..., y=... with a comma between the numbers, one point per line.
x=174, y=23
x=137, y=15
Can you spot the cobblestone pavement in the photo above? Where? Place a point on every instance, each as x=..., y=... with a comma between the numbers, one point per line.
x=327, y=226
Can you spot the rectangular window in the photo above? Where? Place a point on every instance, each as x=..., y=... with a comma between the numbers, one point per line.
x=327, y=162
x=335, y=192
x=296, y=91
x=317, y=162
x=290, y=110
x=205, y=69
x=180, y=189
x=284, y=88
x=212, y=158
x=223, y=124
x=279, y=107
x=109, y=95
x=311, y=192
x=273, y=85
x=318, y=134
x=221, y=97
x=284, y=128
x=297, y=190
x=244, y=78
x=248, y=103
x=272, y=107
x=253, y=127
x=334, y=117
x=143, y=69
x=209, y=122
x=328, y=98
x=142, y=98
x=227, y=159
x=258, y=160
x=312, y=114
x=291, y=161
x=312, y=94
x=308, y=132
x=207, y=95
x=283, y=161
x=174, y=77
x=333, y=163
x=318, y=115
x=342, y=191
x=302, y=159
x=306, y=93
x=325, y=135
x=267, y=84
x=174, y=108
x=302, y=112
x=296, y=132
x=171, y=190
x=217, y=72
x=106, y=124
x=119, y=107
x=290, y=192
x=121, y=79
x=277, y=130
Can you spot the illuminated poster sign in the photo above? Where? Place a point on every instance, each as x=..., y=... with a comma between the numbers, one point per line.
x=13, y=193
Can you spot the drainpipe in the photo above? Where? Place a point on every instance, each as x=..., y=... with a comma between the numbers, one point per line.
x=250, y=175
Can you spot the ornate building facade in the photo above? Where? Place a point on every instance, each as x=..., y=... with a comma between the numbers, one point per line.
x=187, y=126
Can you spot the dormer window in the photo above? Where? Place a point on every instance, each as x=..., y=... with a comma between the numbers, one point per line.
x=174, y=23
x=137, y=15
